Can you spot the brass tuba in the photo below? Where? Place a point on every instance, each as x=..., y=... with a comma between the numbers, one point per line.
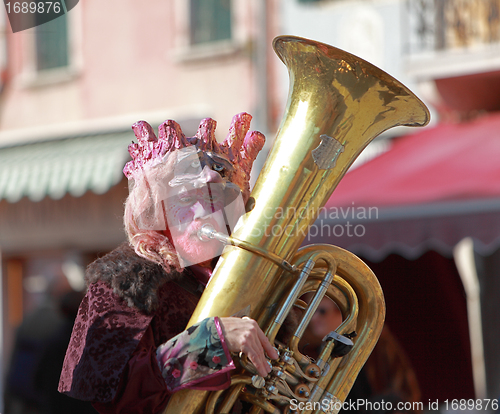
x=338, y=103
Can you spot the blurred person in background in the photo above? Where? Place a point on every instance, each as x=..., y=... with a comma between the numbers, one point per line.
x=39, y=349
x=32, y=336
x=387, y=374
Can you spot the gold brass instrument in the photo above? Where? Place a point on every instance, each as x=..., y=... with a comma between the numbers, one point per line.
x=338, y=103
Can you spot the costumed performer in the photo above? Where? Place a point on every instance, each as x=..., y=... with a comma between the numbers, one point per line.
x=129, y=351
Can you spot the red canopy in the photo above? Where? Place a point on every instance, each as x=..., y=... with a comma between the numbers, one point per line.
x=430, y=190
x=448, y=162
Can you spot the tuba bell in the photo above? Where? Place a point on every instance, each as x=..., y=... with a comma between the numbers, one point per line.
x=337, y=104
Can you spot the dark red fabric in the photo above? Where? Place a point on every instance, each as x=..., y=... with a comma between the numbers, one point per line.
x=448, y=162
x=142, y=387
x=427, y=312
x=107, y=332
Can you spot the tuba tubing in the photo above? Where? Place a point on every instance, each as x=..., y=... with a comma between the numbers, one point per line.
x=367, y=307
x=337, y=104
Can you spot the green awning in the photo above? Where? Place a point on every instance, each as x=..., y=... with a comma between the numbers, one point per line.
x=72, y=165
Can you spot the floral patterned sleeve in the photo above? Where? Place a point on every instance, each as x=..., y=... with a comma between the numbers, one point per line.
x=196, y=358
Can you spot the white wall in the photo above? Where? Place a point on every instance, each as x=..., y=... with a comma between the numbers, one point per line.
x=370, y=29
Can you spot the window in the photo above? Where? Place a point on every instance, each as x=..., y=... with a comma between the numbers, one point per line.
x=52, y=44
x=210, y=21
x=53, y=52
x=208, y=29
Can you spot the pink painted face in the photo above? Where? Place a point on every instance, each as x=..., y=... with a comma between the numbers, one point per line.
x=187, y=211
x=195, y=199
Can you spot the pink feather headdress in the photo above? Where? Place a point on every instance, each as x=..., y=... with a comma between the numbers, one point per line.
x=240, y=147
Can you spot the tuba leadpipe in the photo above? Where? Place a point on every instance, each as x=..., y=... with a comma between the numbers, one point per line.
x=337, y=104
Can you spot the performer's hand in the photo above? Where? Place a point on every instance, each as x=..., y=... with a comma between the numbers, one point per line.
x=244, y=335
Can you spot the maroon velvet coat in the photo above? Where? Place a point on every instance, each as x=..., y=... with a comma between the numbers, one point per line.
x=131, y=307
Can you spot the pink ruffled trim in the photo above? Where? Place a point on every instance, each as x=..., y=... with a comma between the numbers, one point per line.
x=162, y=355
x=223, y=340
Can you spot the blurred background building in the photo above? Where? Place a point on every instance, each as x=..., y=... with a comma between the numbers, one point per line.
x=71, y=89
